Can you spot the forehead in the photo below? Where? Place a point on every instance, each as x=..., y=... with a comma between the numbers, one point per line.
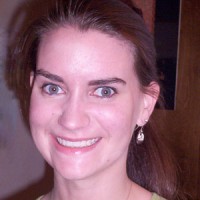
x=81, y=51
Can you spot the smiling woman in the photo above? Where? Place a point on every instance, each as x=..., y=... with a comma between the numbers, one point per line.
x=89, y=67
x=80, y=111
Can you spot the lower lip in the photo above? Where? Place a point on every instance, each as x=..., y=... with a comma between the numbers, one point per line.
x=74, y=150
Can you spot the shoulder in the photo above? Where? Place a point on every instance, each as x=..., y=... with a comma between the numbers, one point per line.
x=39, y=198
x=157, y=197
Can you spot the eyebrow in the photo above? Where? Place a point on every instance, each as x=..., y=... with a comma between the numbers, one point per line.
x=48, y=75
x=57, y=78
x=107, y=81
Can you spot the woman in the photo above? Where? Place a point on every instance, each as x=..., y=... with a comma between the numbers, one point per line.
x=87, y=68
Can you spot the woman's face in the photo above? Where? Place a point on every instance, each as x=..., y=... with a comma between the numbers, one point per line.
x=85, y=102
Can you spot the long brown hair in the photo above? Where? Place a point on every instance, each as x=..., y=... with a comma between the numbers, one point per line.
x=149, y=163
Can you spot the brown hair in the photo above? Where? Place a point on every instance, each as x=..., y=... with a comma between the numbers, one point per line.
x=147, y=163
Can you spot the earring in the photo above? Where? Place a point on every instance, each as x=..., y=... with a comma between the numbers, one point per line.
x=140, y=136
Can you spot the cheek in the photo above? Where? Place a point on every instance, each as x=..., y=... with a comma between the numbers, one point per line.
x=37, y=112
x=118, y=119
x=40, y=112
x=40, y=116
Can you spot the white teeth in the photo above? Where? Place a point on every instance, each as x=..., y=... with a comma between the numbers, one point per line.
x=77, y=144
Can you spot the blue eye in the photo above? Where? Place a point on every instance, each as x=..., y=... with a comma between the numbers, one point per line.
x=52, y=89
x=105, y=92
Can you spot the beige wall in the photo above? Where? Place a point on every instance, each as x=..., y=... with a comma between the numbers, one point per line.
x=20, y=163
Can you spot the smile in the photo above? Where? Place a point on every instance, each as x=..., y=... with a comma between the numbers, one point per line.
x=77, y=144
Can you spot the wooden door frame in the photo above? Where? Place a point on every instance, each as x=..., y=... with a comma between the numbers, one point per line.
x=182, y=125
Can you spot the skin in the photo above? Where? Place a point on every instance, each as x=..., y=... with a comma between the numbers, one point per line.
x=85, y=89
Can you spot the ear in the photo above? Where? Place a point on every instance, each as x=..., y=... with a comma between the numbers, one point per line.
x=149, y=100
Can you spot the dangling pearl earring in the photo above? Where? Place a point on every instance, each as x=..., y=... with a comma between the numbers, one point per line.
x=140, y=135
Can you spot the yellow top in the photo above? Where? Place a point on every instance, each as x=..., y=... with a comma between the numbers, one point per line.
x=39, y=198
x=154, y=197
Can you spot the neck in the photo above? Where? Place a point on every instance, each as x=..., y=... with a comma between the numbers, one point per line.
x=101, y=187
x=110, y=183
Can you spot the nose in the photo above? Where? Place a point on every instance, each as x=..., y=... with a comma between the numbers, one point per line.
x=74, y=114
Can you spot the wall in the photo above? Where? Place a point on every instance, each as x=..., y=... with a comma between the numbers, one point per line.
x=182, y=127
x=148, y=9
x=20, y=163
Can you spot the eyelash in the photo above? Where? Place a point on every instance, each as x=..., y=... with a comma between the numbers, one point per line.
x=57, y=89
x=112, y=91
